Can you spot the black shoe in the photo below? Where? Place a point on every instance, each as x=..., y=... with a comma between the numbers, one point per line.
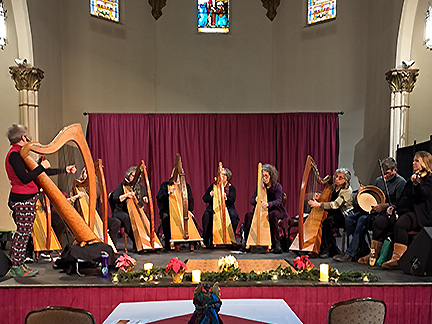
x=324, y=255
x=276, y=250
x=343, y=257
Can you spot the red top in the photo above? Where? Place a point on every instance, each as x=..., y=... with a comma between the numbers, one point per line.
x=17, y=186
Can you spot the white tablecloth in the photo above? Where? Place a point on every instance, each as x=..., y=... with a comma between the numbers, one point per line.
x=264, y=310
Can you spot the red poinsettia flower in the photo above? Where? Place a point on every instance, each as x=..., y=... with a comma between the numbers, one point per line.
x=125, y=261
x=175, y=265
x=303, y=262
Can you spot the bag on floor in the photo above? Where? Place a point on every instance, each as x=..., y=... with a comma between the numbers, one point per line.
x=75, y=258
x=386, y=252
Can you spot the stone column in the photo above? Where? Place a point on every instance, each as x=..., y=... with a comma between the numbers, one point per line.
x=27, y=82
x=401, y=82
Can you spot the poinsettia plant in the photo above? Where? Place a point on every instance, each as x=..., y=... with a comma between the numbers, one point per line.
x=125, y=263
x=227, y=263
x=303, y=263
x=175, y=265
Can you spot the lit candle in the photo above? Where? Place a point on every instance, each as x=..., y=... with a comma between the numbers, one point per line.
x=324, y=272
x=196, y=276
x=148, y=266
x=115, y=279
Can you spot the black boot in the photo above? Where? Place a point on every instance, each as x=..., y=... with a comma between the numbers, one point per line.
x=276, y=249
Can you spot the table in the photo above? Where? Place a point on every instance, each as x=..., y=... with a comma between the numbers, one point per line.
x=262, y=310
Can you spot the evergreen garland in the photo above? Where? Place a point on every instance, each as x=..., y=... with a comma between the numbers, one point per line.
x=310, y=274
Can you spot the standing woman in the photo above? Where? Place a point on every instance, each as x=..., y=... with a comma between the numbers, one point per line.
x=22, y=198
x=230, y=198
x=414, y=207
x=340, y=200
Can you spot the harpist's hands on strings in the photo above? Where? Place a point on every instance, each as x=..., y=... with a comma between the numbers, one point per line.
x=71, y=169
x=317, y=195
x=171, y=190
x=145, y=199
x=46, y=164
x=314, y=203
x=264, y=204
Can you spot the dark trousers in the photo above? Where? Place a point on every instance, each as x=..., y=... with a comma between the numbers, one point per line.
x=407, y=222
x=382, y=227
x=114, y=225
x=166, y=228
x=125, y=222
x=207, y=224
x=334, y=219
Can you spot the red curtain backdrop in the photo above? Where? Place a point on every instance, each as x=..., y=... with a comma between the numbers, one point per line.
x=240, y=141
x=300, y=135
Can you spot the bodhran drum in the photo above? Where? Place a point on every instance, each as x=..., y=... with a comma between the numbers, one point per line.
x=369, y=196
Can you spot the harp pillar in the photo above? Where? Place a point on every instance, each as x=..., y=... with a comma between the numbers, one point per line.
x=27, y=82
x=401, y=83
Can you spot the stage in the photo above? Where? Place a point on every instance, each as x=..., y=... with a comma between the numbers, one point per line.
x=408, y=298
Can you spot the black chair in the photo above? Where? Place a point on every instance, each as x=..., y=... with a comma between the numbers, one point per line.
x=357, y=311
x=59, y=314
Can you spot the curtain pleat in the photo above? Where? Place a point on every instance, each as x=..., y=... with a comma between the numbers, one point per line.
x=240, y=141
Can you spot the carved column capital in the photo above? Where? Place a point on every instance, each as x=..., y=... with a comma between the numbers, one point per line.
x=402, y=79
x=271, y=6
x=26, y=78
x=157, y=6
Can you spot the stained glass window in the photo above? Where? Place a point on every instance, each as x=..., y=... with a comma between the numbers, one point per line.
x=213, y=16
x=108, y=9
x=321, y=10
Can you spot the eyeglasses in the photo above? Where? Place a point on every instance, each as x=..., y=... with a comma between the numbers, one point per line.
x=388, y=172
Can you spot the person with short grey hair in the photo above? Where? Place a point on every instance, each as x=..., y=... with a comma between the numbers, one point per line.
x=230, y=198
x=340, y=199
x=23, y=196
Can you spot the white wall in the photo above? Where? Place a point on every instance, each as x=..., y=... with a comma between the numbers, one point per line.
x=8, y=109
x=420, y=114
x=144, y=65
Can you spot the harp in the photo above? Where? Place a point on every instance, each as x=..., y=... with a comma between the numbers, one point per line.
x=309, y=234
x=142, y=227
x=222, y=228
x=101, y=221
x=44, y=238
x=259, y=234
x=182, y=226
x=82, y=232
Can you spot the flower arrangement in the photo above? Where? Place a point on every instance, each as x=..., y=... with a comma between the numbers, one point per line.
x=125, y=263
x=227, y=263
x=302, y=263
x=175, y=266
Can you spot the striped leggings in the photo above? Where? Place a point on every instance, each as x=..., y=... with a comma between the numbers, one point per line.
x=24, y=213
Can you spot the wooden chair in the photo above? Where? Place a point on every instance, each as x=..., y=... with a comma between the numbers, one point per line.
x=59, y=314
x=357, y=311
